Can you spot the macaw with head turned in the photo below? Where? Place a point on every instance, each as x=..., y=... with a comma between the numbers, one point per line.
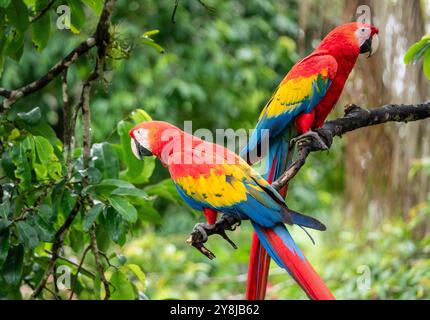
x=210, y=178
x=300, y=104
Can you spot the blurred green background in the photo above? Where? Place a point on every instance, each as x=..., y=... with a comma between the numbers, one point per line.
x=218, y=68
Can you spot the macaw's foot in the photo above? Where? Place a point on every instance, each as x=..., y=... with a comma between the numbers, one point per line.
x=202, y=231
x=312, y=139
x=198, y=237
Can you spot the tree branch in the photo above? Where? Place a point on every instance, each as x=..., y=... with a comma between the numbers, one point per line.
x=101, y=39
x=100, y=269
x=355, y=118
x=75, y=279
x=98, y=39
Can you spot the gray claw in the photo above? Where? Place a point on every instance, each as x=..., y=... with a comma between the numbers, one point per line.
x=200, y=229
x=309, y=137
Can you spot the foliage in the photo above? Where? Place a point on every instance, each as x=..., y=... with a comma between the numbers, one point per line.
x=420, y=50
x=41, y=188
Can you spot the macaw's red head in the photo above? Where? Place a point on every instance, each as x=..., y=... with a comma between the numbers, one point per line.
x=149, y=138
x=351, y=39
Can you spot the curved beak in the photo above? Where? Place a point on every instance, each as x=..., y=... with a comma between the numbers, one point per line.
x=371, y=45
x=138, y=150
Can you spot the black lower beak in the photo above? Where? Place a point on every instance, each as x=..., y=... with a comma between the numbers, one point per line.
x=367, y=47
x=143, y=152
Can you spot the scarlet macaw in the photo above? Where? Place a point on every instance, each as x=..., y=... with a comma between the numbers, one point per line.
x=210, y=177
x=301, y=103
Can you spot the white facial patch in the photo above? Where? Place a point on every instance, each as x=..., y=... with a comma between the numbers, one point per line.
x=362, y=35
x=142, y=136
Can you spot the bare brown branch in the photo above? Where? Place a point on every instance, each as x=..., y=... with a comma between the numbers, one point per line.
x=355, y=118
x=100, y=269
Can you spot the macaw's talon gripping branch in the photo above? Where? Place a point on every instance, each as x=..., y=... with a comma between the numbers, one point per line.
x=202, y=231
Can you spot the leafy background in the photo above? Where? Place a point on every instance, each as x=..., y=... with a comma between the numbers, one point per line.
x=216, y=68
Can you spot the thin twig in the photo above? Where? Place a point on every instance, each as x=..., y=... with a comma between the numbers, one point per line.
x=104, y=255
x=100, y=269
x=89, y=273
x=175, y=8
x=68, y=120
x=75, y=279
x=42, y=12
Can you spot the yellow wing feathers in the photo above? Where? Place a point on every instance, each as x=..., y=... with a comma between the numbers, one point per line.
x=290, y=94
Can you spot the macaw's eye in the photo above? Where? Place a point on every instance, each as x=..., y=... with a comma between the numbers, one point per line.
x=363, y=30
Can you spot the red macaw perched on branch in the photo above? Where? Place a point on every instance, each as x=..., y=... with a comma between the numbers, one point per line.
x=301, y=103
x=210, y=178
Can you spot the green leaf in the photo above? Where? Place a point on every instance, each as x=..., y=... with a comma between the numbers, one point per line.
x=17, y=14
x=27, y=234
x=153, y=44
x=165, y=189
x=47, y=157
x=12, y=267
x=113, y=224
x=124, y=208
x=44, y=229
x=138, y=272
x=105, y=159
x=45, y=130
x=102, y=235
x=131, y=192
x=15, y=45
x=427, y=64
x=92, y=215
x=4, y=224
x=4, y=209
x=148, y=213
x=41, y=28
x=31, y=117
x=416, y=51
x=139, y=115
x=122, y=287
x=77, y=18
x=146, y=39
x=116, y=183
x=151, y=33
x=95, y=5
x=4, y=3
x=20, y=159
x=44, y=150
x=7, y=164
x=4, y=246
x=105, y=187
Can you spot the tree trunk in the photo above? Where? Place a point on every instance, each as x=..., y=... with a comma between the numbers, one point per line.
x=378, y=160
